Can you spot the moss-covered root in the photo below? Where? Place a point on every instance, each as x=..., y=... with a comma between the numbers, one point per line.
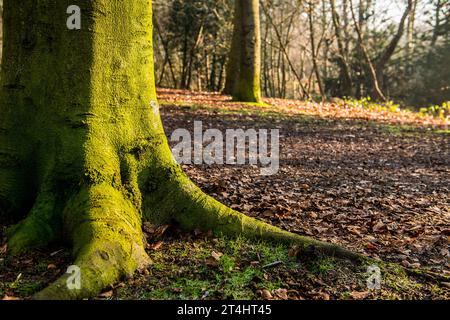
x=38, y=229
x=108, y=243
x=194, y=210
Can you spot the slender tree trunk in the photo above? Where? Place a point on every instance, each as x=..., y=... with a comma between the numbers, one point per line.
x=184, y=66
x=377, y=92
x=313, y=50
x=437, y=22
x=410, y=39
x=166, y=48
x=345, y=75
x=221, y=73
x=284, y=50
x=265, y=61
x=387, y=54
x=212, y=75
x=82, y=147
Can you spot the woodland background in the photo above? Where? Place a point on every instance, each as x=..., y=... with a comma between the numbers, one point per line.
x=300, y=47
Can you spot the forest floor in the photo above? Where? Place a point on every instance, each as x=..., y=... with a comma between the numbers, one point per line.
x=373, y=180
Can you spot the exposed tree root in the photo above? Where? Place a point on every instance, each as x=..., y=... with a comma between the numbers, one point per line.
x=101, y=263
x=37, y=229
x=428, y=275
x=184, y=202
x=105, y=231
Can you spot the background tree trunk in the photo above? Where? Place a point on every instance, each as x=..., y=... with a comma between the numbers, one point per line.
x=246, y=86
x=387, y=54
x=345, y=75
x=234, y=56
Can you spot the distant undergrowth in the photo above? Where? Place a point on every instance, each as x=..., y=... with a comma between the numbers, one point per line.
x=435, y=111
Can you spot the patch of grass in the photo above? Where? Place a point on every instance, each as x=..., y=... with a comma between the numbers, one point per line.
x=395, y=278
x=322, y=265
x=269, y=254
x=41, y=267
x=237, y=284
x=399, y=130
x=26, y=288
x=191, y=288
x=227, y=264
x=235, y=246
x=158, y=294
x=20, y=287
x=180, y=270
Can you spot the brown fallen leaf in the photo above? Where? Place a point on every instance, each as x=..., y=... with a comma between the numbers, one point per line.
x=149, y=228
x=51, y=266
x=281, y=293
x=10, y=298
x=160, y=230
x=406, y=264
x=268, y=213
x=157, y=245
x=293, y=294
x=354, y=230
x=359, y=295
x=322, y=296
x=378, y=226
x=107, y=294
x=3, y=248
x=213, y=260
x=293, y=251
x=266, y=295
x=216, y=255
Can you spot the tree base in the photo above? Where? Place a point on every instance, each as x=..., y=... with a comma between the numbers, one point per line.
x=104, y=229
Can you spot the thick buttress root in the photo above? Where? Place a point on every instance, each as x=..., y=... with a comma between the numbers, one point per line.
x=212, y=215
x=38, y=228
x=105, y=231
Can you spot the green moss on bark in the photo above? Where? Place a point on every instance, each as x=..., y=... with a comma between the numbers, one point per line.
x=75, y=111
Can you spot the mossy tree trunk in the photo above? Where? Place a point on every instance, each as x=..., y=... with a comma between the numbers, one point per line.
x=244, y=63
x=233, y=63
x=83, y=155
